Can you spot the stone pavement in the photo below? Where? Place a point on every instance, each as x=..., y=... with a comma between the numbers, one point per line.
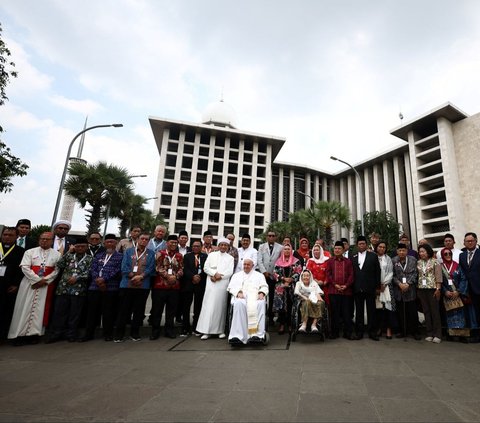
x=208, y=381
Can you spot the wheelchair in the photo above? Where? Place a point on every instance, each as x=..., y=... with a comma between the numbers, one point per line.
x=253, y=340
x=322, y=323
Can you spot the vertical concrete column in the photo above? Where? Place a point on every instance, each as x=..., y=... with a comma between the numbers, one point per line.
x=411, y=181
x=280, y=213
x=378, y=189
x=456, y=215
x=291, y=205
x=325, y=182
x=389, y=188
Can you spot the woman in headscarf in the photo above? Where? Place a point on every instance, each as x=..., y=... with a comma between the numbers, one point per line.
x=312, y=304
x=303, y=252
x=386, y=299
x=460, y=318
x=317, y=264
x=286, y=273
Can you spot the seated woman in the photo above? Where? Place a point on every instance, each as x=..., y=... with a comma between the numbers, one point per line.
x=312, y=304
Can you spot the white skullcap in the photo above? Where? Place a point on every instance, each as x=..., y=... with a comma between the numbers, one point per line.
x=62, y=222
x=223, y=240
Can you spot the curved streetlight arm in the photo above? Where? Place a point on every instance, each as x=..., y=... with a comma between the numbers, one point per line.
x=65, y=167
x=360, y=184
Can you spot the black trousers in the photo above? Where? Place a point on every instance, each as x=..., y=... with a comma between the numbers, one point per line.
x=408, y=317
x=102, y=304
x=131, y=300
x=168, y=299
x=362, y=298
x=196, y=296
x=271, y=293
x=340, y=306
x=7, y=305
x=66, y=315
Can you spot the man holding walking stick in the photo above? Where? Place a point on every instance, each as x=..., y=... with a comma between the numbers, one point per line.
x=404, y=283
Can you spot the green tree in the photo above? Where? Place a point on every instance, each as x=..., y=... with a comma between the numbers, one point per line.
x=98, y=185
x=326, y=214
x=381, y=222
x=132, y=211
x=10, y=165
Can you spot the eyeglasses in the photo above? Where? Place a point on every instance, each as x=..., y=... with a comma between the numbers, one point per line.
x=63, y=228
x=271, y=235
x=447, y=254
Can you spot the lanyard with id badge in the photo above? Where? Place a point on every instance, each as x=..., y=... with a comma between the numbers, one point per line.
x=3, y=267
x=138, y=257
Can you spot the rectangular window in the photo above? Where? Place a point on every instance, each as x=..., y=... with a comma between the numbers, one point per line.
x=217, y=179
x=166, y=200
x=202, y=164
x=232, y=168
x=261, y=159
x=172, y=146
x=220, y=140
x=182, y=201
x=187, y=162
x=261, y=172
x=190, y=135
x=246, y=183
x=216, y=192
x=230, y=218
x=245, y=195
x=181, y=214
x=231, y=194
x=184, y=189
x=218, y=166
x=244, y=219
x=259, y=208
x=260, y=196
x=219, y=153
x=205, y=138
x=197, y=216
x=260, y=184
x=185, y=176
x=233, y=155
x=247, y=157
x=199, y=203
x=165, y=212
x=232, y=181
x=230, y=205
x=247, y=170
x=167, y=186
x=200, y=190
x=215, y=204
x=174, y=133
x=213, y=217
x=171, y=160
x=188, y=149
x=201, y=177
x=204, y=151
x=169, y=174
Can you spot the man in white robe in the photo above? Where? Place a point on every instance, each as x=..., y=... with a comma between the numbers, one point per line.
x=246, y=251
x=249, y=290
x=219, y=268
x=38, y=266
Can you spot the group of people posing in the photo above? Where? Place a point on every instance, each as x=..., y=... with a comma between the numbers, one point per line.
x=66, y=284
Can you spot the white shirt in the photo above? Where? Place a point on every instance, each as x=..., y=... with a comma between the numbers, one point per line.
x=243, y=254
x=361, y=258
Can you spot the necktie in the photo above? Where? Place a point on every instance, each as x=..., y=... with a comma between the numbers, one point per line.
x=61, y=246
x=197, y=262
x=21, y=242
x=469, y=258
x=271, y=248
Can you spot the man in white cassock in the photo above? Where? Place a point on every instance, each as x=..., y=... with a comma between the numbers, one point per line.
x=219, y=268
x=249, y=290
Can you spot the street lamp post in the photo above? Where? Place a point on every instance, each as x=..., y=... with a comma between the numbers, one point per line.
x=64, y=174
x=312, y=207
x=360, y=185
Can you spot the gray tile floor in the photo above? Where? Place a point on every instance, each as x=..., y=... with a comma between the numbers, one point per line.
x=208, y=381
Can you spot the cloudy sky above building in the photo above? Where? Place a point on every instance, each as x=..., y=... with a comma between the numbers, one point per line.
x=329, y=76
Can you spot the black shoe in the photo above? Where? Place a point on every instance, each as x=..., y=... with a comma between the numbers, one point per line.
x=388, y=336
x=170, y=335
x=85, y=339
x=155, y=335
x=19, y=342
x=235, y=341
x=255, y=339
x=358, y=337
x=374, y=337
x=417, y=337
x=108, y=338
x=33, y=340
x=400, y=335
x=51, y=340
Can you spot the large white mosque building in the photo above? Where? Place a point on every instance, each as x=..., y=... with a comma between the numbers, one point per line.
x=214, y=176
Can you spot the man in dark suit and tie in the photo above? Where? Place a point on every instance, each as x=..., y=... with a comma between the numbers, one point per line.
x=193, y=286
x=470, y=265
x=24, y=227
x=367, y=276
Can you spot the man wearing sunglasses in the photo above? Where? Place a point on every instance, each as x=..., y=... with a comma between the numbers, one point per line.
x=449, y=242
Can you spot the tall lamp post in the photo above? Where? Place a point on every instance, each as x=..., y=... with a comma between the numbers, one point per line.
x=360, y=185
x=312, y=207
x=64, y=174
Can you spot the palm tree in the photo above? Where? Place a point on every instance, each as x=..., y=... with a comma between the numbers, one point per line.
x=326, y=214
x=98, y=185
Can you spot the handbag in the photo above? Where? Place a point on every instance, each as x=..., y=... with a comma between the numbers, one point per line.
x=452, y=303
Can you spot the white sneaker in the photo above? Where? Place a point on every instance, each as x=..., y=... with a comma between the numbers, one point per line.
x=222, y=336
x=429, y=339
x=203, y=337
x=436, y=340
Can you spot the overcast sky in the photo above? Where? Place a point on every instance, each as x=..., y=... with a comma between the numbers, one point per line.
x=329, y=76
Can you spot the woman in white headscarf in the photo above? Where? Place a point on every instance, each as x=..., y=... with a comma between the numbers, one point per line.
x=219, y=268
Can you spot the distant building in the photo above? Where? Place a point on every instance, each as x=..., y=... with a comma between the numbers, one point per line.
x=214, y=176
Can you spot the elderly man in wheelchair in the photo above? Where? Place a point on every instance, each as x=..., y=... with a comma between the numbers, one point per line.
x=249, y=290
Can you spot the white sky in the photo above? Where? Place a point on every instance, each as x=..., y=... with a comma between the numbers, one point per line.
x=330, y=76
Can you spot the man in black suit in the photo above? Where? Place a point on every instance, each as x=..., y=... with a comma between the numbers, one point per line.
x=10, y=277
x=193, y=286
x=366, y=270
x=470, y=264
x=24, y=227
x=95, y=246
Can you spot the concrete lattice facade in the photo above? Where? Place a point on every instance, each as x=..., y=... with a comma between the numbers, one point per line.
x=213, y=176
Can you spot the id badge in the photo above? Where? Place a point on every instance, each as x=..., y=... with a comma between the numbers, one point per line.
x=135, y=269
x=199, y=270
x=170, y=271
x=3, y=269
x=404, y=280
x=424, y=282
x=450, y=282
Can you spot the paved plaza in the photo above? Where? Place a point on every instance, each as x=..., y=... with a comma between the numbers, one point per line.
x=186, y=379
